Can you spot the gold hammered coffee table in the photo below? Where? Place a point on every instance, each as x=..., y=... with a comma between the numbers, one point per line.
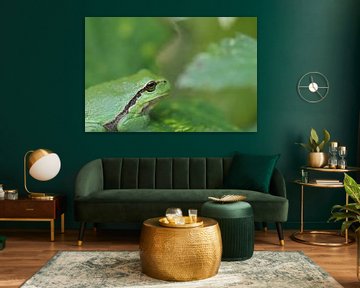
x=180, y=254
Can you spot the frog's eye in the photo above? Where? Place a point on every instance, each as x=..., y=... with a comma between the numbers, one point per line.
x=150, y=87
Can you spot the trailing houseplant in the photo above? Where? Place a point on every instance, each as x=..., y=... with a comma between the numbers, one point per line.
x=350, y=214
x=317, y=157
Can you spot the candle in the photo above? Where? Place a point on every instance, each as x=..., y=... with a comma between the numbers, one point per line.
x=342, y=149
x=333, y=151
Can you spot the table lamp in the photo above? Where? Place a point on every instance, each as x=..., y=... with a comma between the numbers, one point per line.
x=43, y=165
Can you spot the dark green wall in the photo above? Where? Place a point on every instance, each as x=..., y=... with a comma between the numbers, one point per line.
x=42, y=79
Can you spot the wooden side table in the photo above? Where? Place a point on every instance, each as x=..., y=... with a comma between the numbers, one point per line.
x=26, y=209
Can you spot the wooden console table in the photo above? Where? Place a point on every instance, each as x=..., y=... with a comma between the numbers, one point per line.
x=26, y=209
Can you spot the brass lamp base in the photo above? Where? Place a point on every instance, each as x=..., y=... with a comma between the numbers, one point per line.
x=41, y=196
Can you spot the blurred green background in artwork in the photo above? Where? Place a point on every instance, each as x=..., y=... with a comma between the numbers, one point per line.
x=211, y=63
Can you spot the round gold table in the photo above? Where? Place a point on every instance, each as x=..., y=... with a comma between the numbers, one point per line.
x=180, y=254
x=311, y=237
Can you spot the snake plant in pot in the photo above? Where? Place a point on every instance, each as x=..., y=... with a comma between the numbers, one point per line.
x=350, y=213
x=317, y=157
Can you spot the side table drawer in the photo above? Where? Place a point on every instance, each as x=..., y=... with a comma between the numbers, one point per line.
x=31, y=209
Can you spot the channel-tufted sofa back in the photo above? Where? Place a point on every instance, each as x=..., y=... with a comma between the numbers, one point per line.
x=160, y=173
x=164, y=173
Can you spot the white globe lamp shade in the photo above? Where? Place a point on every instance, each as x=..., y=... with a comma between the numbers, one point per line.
x=44, y=164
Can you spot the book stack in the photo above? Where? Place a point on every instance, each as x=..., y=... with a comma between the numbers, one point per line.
x=327, y=181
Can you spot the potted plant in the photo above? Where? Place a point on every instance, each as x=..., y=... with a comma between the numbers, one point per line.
x=317, y=157
x=350, y=214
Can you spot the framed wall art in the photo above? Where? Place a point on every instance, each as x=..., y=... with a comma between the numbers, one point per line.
x=170, y=74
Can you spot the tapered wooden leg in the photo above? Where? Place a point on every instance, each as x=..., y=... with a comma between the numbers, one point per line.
x=52, y=230
x=63, y=223
x=280, y=233
x=81, y=233
x=265, y=227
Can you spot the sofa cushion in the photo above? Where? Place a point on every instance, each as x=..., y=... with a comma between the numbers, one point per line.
x=251, y=172
x=266, y=206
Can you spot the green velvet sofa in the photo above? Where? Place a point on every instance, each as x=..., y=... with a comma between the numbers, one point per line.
x=130, y=190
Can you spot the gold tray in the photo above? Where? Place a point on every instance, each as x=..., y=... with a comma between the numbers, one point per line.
x=228, y=198
x=165, y=222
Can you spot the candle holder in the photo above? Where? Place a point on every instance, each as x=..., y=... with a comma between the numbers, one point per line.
x=333, y=162
x=342, y=153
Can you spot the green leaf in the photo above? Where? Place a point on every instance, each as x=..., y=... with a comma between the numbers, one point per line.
x=326, y=136
x=321, y=146
x=312, y=144
x=342, y=215
x=314, y=140
x=306, y=146
x=338, y=207
x=188, y=115
x=232, y=62
x=346, y=225
x=345, y=213
x=352, y=208
x=352, y=188
x=314, y=135
x=350, y=213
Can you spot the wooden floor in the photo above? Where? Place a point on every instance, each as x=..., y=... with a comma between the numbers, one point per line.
x=28, y=250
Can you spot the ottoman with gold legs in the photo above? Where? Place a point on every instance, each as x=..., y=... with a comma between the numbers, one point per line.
x=180, y=254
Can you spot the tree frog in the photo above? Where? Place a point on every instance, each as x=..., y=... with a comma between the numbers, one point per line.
x=123, y=105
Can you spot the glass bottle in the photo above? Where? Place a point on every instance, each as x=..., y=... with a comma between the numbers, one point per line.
x=304, y=176
x=2, y=192
x=11, y=194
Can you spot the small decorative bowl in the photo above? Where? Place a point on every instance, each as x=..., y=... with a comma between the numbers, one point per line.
x=228, y=198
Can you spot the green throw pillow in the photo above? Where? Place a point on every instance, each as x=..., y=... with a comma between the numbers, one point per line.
x=251, y=172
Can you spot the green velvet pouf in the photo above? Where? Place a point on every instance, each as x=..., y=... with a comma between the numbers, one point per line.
x=2, y=242
x=236, y=221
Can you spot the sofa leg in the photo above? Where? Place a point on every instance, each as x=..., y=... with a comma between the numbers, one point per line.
x=280, y=233
x=81, y=233
x=265, y=227
x=95, y=227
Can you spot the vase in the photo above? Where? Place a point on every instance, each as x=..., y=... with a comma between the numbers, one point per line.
x=317, y=159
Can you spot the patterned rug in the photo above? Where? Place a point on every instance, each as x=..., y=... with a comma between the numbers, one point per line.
x=122, y=269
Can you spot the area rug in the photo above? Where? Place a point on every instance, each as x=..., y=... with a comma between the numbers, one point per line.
x=80, y=269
